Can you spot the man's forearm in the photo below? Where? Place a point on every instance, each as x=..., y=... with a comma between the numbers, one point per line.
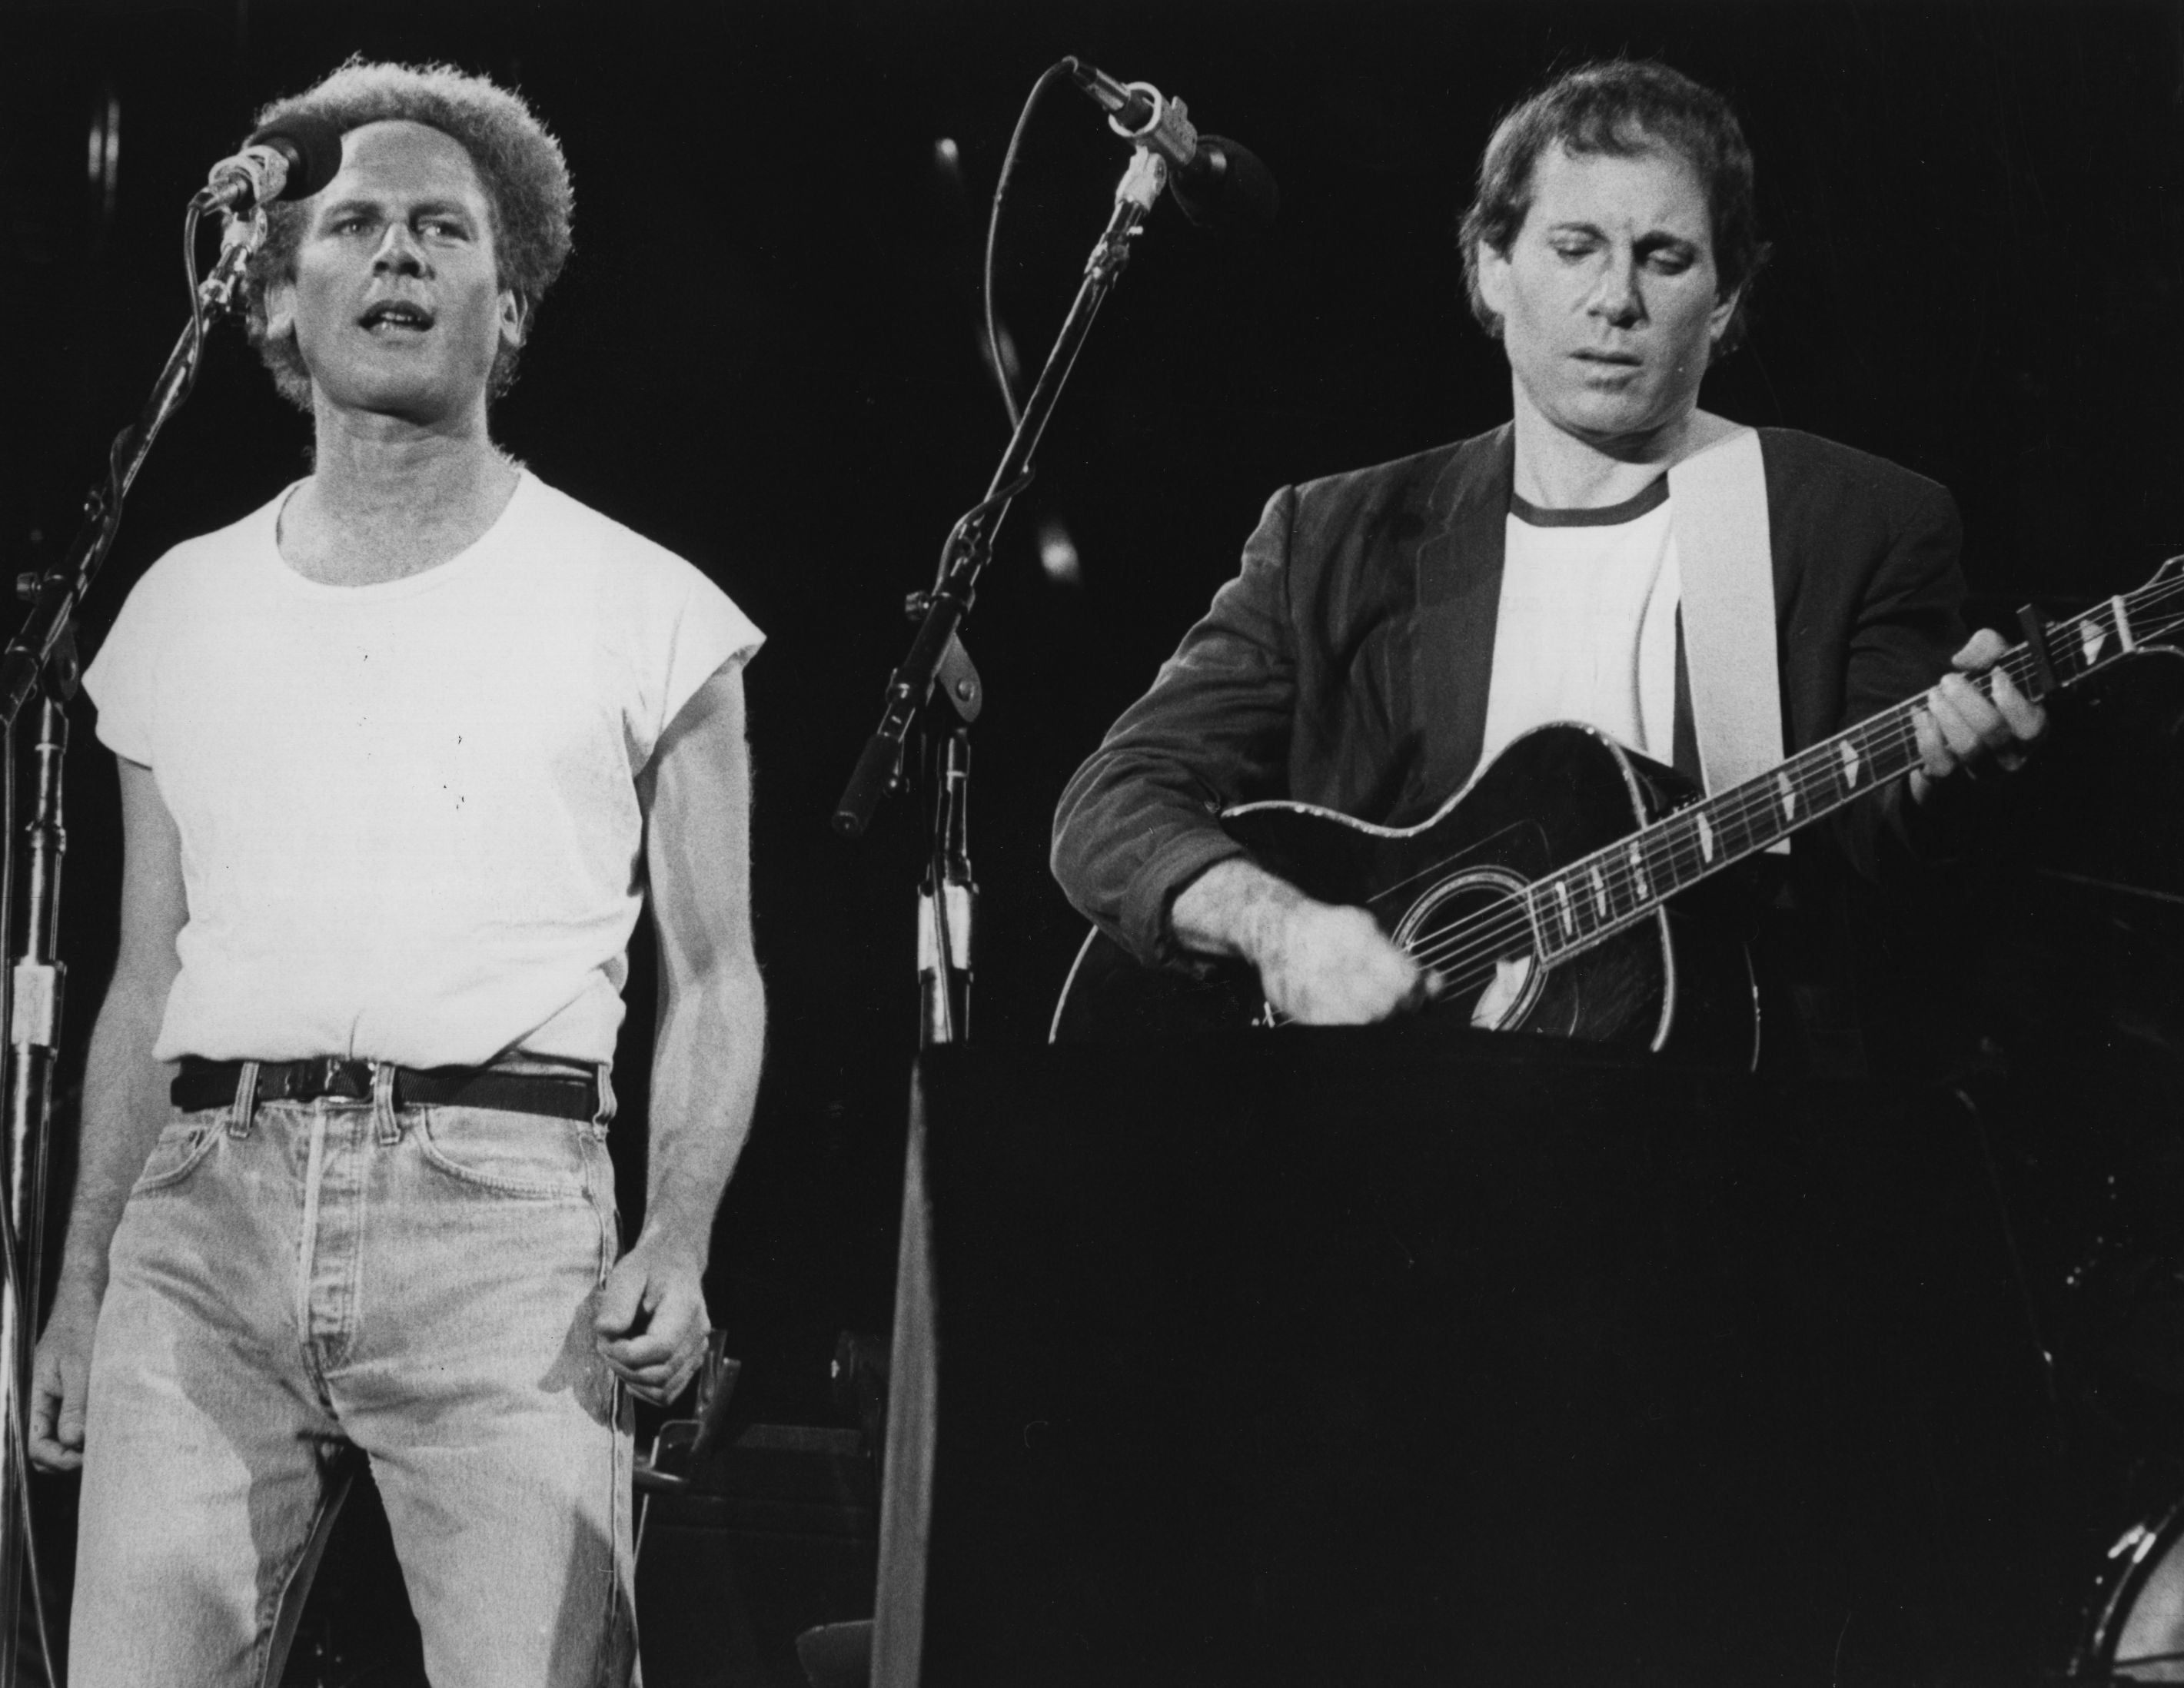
x=704, y=1083
x=1318, y=962
x=125, y=1108
x=1231, y=908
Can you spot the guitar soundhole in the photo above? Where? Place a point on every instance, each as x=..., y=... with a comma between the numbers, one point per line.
x=1473, y=930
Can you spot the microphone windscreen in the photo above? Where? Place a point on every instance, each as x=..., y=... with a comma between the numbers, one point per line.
x=1226, y=189
x=314, y=147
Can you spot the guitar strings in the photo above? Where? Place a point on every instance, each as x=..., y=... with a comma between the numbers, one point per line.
x=1665, y=845
x=1507, y=928
x=1468, y=950
x=1494, y=933
x=1671, y=852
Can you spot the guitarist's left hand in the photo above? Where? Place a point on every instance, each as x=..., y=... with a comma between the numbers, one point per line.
x=1963, y=727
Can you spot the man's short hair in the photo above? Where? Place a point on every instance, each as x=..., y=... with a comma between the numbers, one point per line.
x=1623, y=108
x=525, y=177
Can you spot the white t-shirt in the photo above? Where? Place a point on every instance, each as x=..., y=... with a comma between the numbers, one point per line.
x=1587, y=624
x=410, y=827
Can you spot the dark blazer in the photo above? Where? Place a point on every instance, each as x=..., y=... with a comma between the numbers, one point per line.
x=1347, y=663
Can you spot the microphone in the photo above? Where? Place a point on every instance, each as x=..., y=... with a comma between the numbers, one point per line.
x=291, y=160
x=1219, y=183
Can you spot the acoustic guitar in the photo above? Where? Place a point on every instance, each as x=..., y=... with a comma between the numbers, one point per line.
x=1565, y=889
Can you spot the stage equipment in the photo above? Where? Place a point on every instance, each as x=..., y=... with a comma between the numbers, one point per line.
x=1219, y=183
x=948, y=895
x=680, y=1444
x=41, y=661
x=1413, y=1354
x=290, y=160
x=2136, y=1627
x=771, y=1531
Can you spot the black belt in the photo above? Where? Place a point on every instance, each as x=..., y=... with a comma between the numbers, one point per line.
x=204, y=1083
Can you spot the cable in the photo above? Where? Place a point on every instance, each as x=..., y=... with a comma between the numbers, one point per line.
x=31, y=1572
x=992, y=233
x=190, y=219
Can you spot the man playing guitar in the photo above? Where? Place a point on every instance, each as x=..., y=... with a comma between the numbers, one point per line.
x=1393, y=628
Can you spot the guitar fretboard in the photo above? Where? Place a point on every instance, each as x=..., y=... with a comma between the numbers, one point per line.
x=1614, y=888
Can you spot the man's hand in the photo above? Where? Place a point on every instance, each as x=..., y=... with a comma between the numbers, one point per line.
x=1318, y=964
x=60, y=1378
x=651, y=1320
x=1960, y=728
x=1325, y=966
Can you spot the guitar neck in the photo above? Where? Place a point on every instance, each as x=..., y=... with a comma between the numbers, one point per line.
x=1615, y=887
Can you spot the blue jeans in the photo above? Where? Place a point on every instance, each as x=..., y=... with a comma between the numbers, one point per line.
x=297, y=1279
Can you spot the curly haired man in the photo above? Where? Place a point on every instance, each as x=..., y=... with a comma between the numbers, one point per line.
x=401, y=754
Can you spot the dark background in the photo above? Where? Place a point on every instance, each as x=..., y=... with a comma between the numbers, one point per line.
x=765, y=355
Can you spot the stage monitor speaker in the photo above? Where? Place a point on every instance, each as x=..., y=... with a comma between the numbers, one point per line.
x=1392, y=1356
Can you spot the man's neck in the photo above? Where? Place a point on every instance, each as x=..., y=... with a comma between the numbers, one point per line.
x=1557, y=470
x=388, y=499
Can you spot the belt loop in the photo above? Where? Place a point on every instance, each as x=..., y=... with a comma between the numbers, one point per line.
x=383, y=1101
x=246, y=1101
x=603, y=1111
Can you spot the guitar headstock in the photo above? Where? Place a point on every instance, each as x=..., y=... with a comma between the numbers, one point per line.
x=2157, y=608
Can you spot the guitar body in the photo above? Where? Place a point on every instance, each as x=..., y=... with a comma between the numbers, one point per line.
x=1450, y=890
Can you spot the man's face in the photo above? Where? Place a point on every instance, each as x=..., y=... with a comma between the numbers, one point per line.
x=1607, y=293
x=397, y=305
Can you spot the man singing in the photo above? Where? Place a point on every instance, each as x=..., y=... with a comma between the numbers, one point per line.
x=1392, y=627
x=401, y=753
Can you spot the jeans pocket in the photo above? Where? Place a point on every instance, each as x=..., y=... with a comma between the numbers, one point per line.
x=186, y=1139
x=532, y=1156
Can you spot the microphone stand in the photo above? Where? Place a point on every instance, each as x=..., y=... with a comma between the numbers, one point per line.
x=41, y=659
x=947, y=904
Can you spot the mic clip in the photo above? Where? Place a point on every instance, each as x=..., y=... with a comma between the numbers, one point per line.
x=957, y=676
x=241, y=236
x=1168, y=132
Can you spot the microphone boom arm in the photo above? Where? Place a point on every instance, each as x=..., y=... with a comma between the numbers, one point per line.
x=970, y=543
x=55, y=595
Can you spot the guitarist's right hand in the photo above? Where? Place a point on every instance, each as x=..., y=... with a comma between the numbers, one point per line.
x=1318, y=964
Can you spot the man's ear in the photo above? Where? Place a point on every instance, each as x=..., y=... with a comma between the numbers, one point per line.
x=280, y=311
x=1723, y=314
x=515, y=319
x=1493, y=272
